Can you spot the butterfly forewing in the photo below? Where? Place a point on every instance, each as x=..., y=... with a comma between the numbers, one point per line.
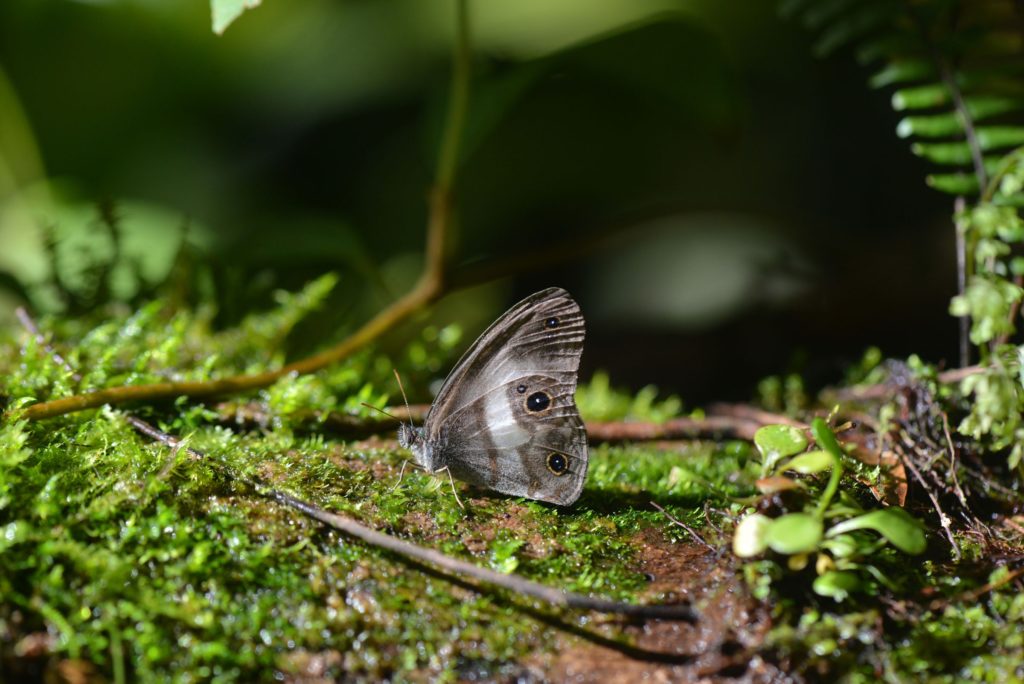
x=518, y=343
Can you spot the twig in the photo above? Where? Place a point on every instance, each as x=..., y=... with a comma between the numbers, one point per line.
x=957, y=374
x=952, y=463
x=677, y=521
x=752, y=413
x=684, y=427
x=513, y=583
x=708, y=518
x=975, y=594
x=355, y=427
x=30, y=325
x=430, y=287
x=886, y=389
x=908, y=462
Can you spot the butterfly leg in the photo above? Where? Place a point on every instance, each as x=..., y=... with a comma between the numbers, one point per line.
x=452, y=481
x=401, y=473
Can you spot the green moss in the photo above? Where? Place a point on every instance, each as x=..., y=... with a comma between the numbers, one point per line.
x=159, y=567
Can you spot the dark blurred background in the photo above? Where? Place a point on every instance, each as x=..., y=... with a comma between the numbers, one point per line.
x=740, y=207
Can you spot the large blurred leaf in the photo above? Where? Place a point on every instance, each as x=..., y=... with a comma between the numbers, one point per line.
x=670, y=59
x=226, y=11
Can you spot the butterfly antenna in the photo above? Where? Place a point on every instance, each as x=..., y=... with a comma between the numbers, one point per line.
x=376, y=408
x=401, y=389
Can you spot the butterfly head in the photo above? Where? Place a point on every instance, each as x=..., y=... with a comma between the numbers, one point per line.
x=409, y=437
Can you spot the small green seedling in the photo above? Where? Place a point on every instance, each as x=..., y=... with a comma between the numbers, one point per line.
x=847, y=541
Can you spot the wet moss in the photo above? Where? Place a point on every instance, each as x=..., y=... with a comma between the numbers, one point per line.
x=153, y=565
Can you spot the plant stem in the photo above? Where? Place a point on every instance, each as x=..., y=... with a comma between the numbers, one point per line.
x=431, y=286
x=964, y=322
x=827, y=441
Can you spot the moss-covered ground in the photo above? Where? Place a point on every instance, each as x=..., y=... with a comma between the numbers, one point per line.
x=122, y=560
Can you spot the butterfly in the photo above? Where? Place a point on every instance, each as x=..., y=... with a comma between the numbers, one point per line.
x=505, y=417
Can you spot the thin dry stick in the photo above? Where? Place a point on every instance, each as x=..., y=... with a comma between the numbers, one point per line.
x=974, y=595
x=430, y=287
x=952, y=463
x=680, y=523
x=683, y=427
x=30, y=325
x=908, y=462
x=513, y=583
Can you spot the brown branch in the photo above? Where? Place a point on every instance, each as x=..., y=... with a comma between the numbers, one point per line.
x=953, y=463
x=974, y=595
x=886, y=389
x=680, y=523
x=712, y=427
x=742, y=425
x=430, y=287
x=30, y=325
x=516, y=584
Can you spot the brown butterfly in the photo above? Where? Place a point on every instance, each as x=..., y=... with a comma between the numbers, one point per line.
x=505, y=417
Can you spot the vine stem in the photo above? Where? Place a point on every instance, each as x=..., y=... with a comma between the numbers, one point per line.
x=963, y=322
x=430, y=287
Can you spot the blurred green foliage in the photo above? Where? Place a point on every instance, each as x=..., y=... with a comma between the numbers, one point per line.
x=303, y=139
x=598, y=401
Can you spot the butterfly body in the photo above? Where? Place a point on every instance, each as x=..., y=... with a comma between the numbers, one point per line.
x=506, y=418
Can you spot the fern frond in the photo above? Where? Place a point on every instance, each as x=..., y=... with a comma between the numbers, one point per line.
x=956, y=69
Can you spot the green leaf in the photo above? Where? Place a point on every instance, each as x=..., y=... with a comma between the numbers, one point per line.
x=842, y=546
x=820, y=13
x=994, y=137
x=920, y=97
x=14, y=533
x=930, y=126
x=779, y=441
x=750, y=538
x=882, y=47
x=953, y=183
x=790, y=8
x=954, y=154
x=794, y=533
x=985, y=106
x=902, y=71
x=895, y=524
x=837, y=584
x=226, y=11
x=810, y=462
x=855, y=24
x=988, y=301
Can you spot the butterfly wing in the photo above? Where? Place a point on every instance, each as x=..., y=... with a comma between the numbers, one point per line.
x=506, y=417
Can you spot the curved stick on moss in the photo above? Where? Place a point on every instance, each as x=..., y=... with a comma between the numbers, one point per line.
x=513, y=583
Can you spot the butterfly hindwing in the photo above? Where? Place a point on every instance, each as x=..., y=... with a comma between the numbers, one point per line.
x=499, y=441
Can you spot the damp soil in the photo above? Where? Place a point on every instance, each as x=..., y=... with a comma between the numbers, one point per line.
x=720, y=646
